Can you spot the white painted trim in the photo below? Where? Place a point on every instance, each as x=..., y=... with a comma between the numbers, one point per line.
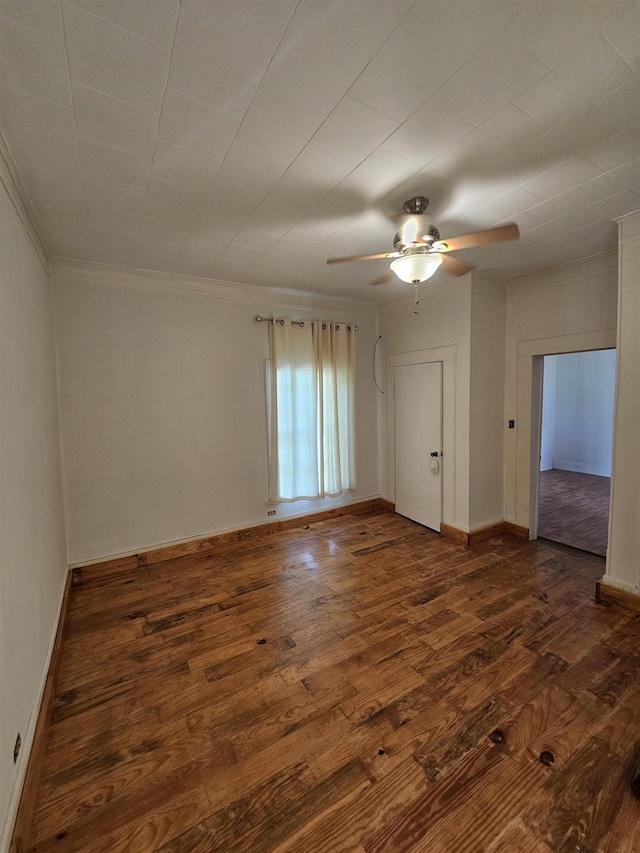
x=598, y=470
x=526, y=351
x=61, y=426
x=537, y=380
x=628, y=233
x=628, y=228
x=28, y=737
x=10, y=179
x=578, y=342
x=629, y=215
x=114, y=276
x=579, y=270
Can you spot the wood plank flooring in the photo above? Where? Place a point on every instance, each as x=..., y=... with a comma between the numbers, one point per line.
x=363, y=685
x=574, y=509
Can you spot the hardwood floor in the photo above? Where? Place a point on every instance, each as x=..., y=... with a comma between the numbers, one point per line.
x=574, y=509
x=364, y=685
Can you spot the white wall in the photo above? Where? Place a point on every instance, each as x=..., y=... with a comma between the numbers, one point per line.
x=439, y=332
x=486, y=395
x=461, y=322
x=548, y=429
x=163, y=406
x=623, y=555
x=32, y=542
x=585, y=386
x=569, y=309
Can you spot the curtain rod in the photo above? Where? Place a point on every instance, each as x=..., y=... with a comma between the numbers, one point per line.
x=260, y=319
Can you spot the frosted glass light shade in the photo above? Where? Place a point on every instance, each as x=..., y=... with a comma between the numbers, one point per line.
x=418, y=267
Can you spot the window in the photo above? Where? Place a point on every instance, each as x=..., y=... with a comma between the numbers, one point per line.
x=312, y=370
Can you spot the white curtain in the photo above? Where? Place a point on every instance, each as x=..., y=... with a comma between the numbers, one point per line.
x=312, y=409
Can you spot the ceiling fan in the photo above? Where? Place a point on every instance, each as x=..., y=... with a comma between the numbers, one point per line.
x=419, y=251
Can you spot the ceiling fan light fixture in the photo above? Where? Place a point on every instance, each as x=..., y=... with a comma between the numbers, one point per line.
x=416, y=267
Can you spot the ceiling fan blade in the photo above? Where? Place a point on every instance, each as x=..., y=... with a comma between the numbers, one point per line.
x=454, y=266
x=478, y=238
x=382, y=279
x=363, y=257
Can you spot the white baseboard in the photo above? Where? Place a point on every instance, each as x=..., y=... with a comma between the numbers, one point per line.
x=583, y=468
x=27, y=740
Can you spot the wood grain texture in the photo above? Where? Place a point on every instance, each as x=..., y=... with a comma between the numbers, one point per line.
x=579, y=804
x=456, y=533
x=205, y=544
x=481, y=534
x=516, y=530
x=573, y=509
x=364, y=685
x=610, y=594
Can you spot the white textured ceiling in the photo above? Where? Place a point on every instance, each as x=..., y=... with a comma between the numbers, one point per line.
x=249, y=140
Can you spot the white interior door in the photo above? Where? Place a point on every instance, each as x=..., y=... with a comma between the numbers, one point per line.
x=418, y=442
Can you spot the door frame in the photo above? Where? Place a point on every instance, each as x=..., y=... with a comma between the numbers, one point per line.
x=537, y=380
x=529, y=405
x=447, y=356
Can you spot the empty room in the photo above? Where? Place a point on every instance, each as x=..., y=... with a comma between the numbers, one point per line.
x=287, y=288
x=575, y=449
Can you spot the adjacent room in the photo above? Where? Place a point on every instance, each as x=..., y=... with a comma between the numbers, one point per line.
x=293, y=296
x=575, y=452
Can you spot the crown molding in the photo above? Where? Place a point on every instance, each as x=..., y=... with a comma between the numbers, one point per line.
x=602, y=263
x=628, y=227
x=631, y=215
x=10, y=179
x=114, y=276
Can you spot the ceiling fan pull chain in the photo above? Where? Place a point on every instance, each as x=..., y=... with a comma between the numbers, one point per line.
x=416, y=300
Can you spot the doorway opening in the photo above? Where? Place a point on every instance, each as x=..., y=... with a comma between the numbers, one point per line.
x=576, y=437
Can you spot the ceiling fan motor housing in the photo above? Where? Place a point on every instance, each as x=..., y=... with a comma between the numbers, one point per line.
x=427, y=238
x=418, y=204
